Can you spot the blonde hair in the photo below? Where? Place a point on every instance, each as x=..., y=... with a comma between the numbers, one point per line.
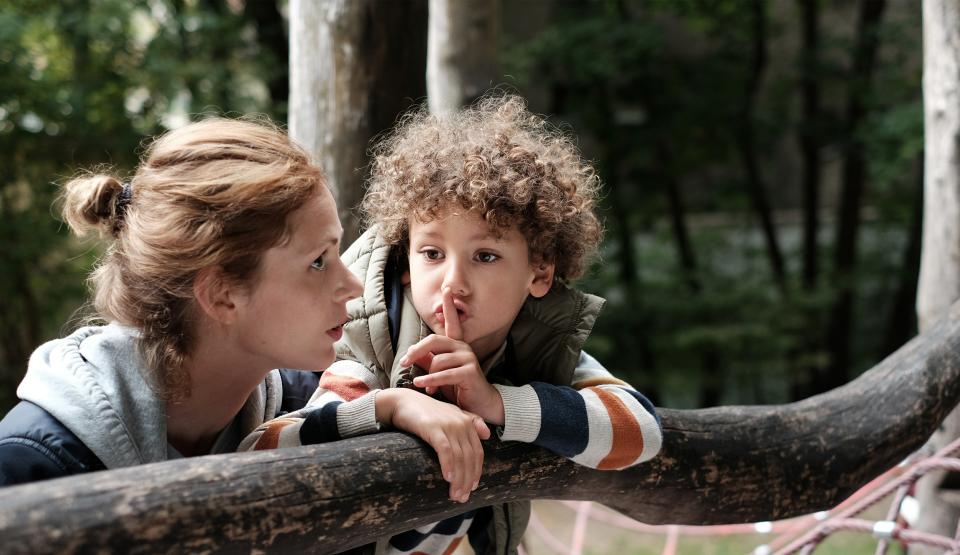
x=216, y=192
x=495, y=158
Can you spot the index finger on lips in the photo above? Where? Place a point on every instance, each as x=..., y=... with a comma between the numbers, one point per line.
x=451, y=320
x=422, y=351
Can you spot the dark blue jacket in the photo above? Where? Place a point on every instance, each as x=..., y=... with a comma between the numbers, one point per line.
x=35, y=446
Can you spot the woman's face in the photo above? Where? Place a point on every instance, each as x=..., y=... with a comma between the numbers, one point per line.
x=295, y=311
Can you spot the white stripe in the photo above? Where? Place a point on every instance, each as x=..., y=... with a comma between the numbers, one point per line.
x=434, y=543
x=290, y=435
x=521, y=413
x=600, y=437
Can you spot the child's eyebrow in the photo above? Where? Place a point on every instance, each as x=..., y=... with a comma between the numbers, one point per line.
x=481, y=236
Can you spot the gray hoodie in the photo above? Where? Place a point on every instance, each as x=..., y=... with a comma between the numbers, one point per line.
x=92, y=382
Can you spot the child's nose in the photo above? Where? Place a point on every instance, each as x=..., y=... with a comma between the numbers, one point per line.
x=456, y=279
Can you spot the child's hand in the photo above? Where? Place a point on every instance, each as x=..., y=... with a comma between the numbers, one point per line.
x=453, y=433
x=453, y=367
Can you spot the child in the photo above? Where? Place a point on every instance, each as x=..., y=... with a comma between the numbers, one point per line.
x=479, y=220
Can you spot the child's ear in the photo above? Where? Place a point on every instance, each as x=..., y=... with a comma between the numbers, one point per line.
x=542, y=279
x=405, y=278
x=214, y=294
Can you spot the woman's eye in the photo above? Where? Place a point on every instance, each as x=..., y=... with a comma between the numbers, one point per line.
x=319, y=263
x=432, y=254
x=487, y=257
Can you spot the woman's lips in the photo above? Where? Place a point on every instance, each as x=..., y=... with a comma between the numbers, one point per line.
x=336, y=333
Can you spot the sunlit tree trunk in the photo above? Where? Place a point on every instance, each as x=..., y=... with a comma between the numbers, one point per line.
x=940, y=255
x=350, y=68
x=462, y=52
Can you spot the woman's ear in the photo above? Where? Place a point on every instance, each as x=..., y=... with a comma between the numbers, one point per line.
x=214, y=294
x=542, y=279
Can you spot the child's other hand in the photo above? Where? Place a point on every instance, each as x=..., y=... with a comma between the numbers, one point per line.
x=454, y=369
x=453, y=433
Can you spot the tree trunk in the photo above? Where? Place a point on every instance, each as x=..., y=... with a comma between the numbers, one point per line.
x=940, y=257
x=720, y=465
x=461, y=52
x=350, y=68
x=854, y=178
x=810, y=140
x=902, y=322
x=747, y=147
x=268, y=21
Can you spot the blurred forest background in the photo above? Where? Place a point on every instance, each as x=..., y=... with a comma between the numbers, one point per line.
x=761, y=160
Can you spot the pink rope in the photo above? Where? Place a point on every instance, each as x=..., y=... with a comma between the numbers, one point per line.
x=580, y=528
x=898, y=482
x=673, y=537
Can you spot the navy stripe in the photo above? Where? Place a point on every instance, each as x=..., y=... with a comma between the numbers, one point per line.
x=563, y=420
x=407, y=541
x=645, y=402
x=320, y=425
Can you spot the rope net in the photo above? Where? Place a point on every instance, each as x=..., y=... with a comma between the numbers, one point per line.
x=801, y=535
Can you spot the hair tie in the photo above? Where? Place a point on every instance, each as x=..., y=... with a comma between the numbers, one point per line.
x=126, y=195
x=123, y=201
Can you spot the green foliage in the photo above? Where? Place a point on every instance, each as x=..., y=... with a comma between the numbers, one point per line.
x=657, y=93
x=82, y=83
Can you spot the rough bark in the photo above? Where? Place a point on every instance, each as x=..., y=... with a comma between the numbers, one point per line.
x=461, y=52
x=719, y=465
x=350, y=62
x=939, y=282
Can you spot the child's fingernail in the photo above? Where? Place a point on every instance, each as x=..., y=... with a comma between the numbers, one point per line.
x=404, y=361
x=465, y=498
x=475, y=486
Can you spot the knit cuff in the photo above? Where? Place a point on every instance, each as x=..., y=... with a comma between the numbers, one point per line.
x=359, y=416
x=521, y=413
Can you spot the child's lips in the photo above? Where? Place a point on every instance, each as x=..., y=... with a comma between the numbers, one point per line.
x=462, y=316
x=335, y=333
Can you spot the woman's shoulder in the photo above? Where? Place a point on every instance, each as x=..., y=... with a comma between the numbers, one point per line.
x=35, y=446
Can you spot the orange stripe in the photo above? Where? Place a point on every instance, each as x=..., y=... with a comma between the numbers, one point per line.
x=271, y=436
x=346, y=387
x=627, y=437
x=600, y=380
x=453, y=546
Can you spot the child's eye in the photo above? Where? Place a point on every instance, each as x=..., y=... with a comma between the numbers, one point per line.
x=487, y=257
x=319, y=263
x=432, y=254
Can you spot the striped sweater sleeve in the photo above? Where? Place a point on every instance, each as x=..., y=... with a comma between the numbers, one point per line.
x=342, y=406
x=598, y=421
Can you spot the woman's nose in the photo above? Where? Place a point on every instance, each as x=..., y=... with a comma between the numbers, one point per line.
x=350, y=286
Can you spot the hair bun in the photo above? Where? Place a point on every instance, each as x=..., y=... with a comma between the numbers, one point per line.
x=94, y=203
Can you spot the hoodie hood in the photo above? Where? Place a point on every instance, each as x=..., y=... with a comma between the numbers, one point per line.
x=92, y=381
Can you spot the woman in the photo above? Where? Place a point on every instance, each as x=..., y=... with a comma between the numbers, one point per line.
x=223, y=264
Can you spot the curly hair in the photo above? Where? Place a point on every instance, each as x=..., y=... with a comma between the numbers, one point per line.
x=213, y=193
x=499, y=160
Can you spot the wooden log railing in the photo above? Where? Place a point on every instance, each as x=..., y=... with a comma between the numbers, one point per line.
x=718, y=465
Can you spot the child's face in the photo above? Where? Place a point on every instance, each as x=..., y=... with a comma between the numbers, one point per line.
x=489, y=277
